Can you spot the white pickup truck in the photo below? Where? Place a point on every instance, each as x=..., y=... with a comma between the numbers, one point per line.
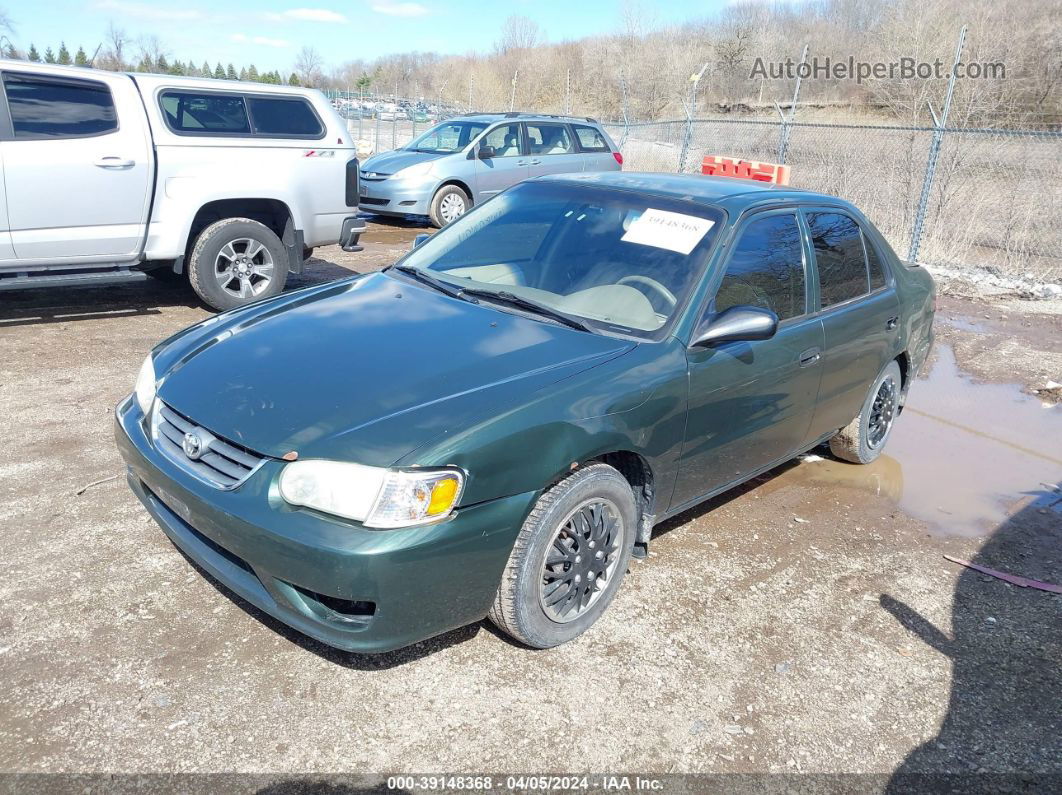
x=111, y=177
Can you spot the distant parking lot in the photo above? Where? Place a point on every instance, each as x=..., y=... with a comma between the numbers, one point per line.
x=806, y=622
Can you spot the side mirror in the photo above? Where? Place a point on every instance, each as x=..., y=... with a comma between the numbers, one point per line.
x=419, y=239
x=486, y=152
x=738, y=323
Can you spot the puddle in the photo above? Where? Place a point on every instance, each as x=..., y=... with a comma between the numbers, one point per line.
x=963, y=455
x=965, y=324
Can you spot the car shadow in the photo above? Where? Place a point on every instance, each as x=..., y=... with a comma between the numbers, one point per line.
x=1003, y=726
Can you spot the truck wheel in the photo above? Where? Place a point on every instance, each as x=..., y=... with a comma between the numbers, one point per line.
x=862, y=440
x=236, y=261
x=568, y=560
x=448, y=204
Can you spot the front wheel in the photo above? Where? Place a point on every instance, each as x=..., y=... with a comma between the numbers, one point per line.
x=569, y=559
x=448, y=204
x=236, y=261
x=862, y=440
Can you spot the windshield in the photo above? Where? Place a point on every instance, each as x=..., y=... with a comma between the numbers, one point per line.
x=450, y=136
x=621, y=260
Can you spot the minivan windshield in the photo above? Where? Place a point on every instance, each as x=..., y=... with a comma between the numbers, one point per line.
x=621, y=260
x=450, y=136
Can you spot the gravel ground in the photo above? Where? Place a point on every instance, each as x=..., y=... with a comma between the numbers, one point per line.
x=803, y=623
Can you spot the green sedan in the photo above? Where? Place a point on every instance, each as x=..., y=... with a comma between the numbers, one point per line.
x=493, y=425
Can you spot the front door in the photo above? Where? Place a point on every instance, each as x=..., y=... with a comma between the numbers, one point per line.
x=751, y=403
x=78, y=178
x=508, y=165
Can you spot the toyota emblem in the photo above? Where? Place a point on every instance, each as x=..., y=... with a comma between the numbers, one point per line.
x=192, y=445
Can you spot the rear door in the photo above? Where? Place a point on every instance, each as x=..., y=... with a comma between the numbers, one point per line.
x=552, y=149
x=7, y=251
x=77, y=166
x=508, y=165
x=859, y=310
x=595, y=148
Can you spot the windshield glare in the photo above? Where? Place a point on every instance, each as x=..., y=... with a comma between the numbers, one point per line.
x=613, y=257
x=450, y=136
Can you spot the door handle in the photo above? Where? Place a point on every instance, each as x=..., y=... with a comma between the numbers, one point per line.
x=521, y=162
x=113, y=161
x=810, y=356
x=891, y=323
x=536, y=162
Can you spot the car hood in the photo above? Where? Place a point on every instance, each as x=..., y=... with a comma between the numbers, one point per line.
x=365, y=370
x=393, y=162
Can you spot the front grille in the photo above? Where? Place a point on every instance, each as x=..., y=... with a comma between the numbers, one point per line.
x=376, y=202
x=218, y=462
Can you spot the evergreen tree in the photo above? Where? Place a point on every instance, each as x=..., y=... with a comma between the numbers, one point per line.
x=162, y=66
x=243, y=73
x=177, y=68
x=230, y=73
x=49, y=56
x=293, y=80
x=219, y=73
x=205, y=70
x=64, y=54
x=33, y=54
x=252, y=73
x=10, y=51
x=145, y=65
x=81, y=59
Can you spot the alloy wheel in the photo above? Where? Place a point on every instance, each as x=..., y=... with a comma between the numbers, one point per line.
x=244, y=268
x=882, y=413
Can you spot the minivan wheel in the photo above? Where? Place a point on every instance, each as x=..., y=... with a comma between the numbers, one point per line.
x=569, y=558
x=862, y=440
x=448, y=204
x=236, y=261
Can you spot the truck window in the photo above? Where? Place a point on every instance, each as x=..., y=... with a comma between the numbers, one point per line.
x=205, y=114
x=283, y=116
x=59, y=108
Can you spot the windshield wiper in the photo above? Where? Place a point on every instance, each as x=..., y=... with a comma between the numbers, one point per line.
x=531, y=306
x=426, y=278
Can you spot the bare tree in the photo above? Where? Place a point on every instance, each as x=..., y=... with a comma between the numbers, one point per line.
x=309, y=67
x=519, y=33
x=115, y=42
x=5, y=22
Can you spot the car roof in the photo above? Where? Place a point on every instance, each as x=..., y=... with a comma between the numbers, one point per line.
x=490, y=118
x=723, y=191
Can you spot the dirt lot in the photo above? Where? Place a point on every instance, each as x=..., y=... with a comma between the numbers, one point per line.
x=806, y=623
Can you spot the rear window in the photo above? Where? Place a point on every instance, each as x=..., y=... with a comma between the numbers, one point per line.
x=42, y=108
x=839, y=256
x=590, y=139
x=284, y=116
x=207, y=113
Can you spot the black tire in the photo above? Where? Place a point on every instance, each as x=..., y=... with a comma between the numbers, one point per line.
x=444, y=197
x=519, y=608
x=205, y=274
x=861, y=441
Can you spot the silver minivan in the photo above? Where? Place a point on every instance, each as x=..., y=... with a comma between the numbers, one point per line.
x=465, y=160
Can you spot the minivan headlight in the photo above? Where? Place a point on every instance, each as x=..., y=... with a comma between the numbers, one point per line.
x=145, y=385
x=383, y=498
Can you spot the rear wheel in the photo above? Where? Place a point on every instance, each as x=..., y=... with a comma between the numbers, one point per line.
x=236, y=261
x=448, y=204
x=569, y=559
x=862, y=440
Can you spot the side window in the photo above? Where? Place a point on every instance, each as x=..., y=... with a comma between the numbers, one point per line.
x=213, y=114
x=766, y=268
x=839, y=256
x=283, y=116
x=42, y=108
x=505, y=140
x=549, y=139
x=877, y=269
x=590, y=140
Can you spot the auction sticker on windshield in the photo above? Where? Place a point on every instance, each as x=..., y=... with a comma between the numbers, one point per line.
x=663, y=229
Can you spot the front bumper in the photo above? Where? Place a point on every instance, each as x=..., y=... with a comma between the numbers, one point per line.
x=347, y=586
x=396, y=196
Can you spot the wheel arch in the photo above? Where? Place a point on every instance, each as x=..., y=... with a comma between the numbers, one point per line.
x=459, y=183
x=272, y=213
x=638, y=472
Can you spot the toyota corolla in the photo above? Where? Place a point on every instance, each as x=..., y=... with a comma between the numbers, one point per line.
x=493, y=425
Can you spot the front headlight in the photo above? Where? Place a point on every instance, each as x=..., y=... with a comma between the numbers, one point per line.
x=145, y=385
x=371, y=495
